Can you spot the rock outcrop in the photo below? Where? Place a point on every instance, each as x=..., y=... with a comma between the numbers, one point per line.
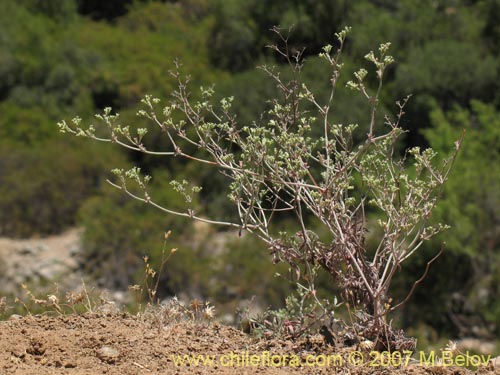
x=40, y=262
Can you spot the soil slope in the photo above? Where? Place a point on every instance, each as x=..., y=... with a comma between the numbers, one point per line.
x=93, y=344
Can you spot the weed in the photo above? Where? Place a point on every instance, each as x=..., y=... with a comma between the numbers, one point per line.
x=296, y=161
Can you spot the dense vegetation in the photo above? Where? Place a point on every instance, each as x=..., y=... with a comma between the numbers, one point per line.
x=63, y=57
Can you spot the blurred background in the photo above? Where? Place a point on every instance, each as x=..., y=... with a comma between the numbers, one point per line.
x=61, y=222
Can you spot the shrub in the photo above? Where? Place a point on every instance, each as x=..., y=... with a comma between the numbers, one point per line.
x=276, y=168
x=47, y=204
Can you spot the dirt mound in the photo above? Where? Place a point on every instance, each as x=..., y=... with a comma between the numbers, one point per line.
x=94, y=344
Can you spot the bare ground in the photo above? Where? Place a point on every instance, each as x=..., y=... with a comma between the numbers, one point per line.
x=120, y=344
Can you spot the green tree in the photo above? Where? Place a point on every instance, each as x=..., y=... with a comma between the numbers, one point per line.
x=232, y=41
x=448, y=71
x=61, y=10
x=472, y=195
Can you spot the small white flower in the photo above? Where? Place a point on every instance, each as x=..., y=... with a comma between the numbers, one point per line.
x=209, y=312
x=451, y=347
x=366, y=345
x=53, y=299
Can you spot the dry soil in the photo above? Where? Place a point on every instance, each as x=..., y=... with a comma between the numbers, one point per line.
x=115, y=344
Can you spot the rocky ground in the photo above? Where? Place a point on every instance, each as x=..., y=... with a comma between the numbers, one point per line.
x=40, y=261
x=118, y=344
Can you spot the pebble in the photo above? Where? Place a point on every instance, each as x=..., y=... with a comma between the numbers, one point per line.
x=108, y=354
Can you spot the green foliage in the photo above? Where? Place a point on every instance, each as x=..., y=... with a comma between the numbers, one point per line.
x=39, y=60
x=433, y=71
x=472, y=195
x=42, y=188
x=60, y=10
x=115, y=239
x=470, y=204
x=409, y=24
x=440, y=51
x=237, y=39
x=232, y=40
x=48, y=70
x=244, y=270
x=24, y=126
x=128, y=71
x=297, y=316
x=313, y=22
x=472, y=199
x=489, y=10
x=248, y=88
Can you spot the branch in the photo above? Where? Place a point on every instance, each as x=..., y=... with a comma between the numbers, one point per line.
x=419, y=280
x=183, y=214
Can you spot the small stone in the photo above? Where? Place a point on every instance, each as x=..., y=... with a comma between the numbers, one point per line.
x=18, y=352
x=28, y=250
x=36, y=348
x=108, y=354
x=69, y=365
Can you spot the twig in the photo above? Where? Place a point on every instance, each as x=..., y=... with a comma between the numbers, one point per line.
x=419, y=280
x=141, y=366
